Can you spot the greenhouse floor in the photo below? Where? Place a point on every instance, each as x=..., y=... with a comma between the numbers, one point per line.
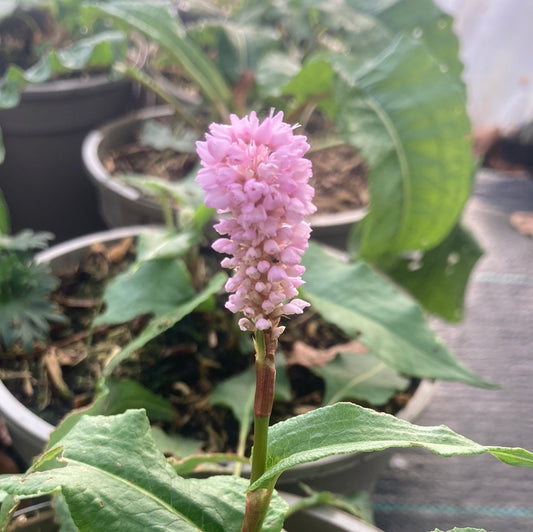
x=420, y=492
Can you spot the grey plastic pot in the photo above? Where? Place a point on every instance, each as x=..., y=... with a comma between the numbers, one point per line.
x=121, y=205
x=340, y=474
x=42, y=176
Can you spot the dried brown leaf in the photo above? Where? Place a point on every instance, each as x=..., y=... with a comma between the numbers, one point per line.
x=305, y=355
x=53, y=368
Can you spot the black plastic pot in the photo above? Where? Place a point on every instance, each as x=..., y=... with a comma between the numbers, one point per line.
x=42, y=176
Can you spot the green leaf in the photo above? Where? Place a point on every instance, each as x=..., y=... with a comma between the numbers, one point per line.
x=346, y=428
x=63, y=515
x=359, y=376
x=163, y=244
x=357, y=503
x=25, y=240
x=273, y=72
x=115, y=396
x=409, y=120
x=164, y=28
x=98, y=50
x=431, y=26
x=8, y=505
x=372, y=310
x=438, y=277
x=26, y=309
x=313, y=81
x=184, y=193
x=153, y=287
x=163, y=322
x=237, y=393
x=175, y=444
x=111, y=468
x=124, y=394
x=5, y=225
x=162, y=136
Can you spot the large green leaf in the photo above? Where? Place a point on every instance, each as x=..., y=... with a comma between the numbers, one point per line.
x=115, y=396
x=154, y=287
x=431, y=26
x=163, y=322
x=359, y=376
x=438, y=278
x=422, y=19
x=371, y=309
x=409, y=120
x=164, y=28
x=346, y=428
x=114, y=478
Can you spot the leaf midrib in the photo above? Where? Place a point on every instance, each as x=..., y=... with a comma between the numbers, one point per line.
x=121, y=480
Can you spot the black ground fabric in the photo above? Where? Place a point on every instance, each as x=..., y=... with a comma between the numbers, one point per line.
x=420, y=492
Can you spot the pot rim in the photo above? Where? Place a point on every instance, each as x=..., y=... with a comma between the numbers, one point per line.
x=58, y=88
x=98, y=173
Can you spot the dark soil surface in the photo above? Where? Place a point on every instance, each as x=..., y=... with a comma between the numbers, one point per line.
x=182, y=365
x=339, y=173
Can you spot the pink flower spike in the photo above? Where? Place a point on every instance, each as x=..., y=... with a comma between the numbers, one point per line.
x=256, y=172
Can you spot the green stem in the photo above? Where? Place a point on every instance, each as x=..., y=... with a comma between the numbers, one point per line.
x=257, y=501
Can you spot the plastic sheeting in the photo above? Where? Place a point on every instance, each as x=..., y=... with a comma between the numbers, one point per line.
x=496, y=40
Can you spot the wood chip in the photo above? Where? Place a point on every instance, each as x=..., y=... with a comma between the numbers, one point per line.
x=53, y=368
x=117, y=252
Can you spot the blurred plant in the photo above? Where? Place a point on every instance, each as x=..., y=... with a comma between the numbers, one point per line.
x=26, y=309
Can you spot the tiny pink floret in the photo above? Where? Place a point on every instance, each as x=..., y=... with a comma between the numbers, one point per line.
x=256, y=175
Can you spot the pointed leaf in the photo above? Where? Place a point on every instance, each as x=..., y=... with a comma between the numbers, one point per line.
x=409, y=120
x=154, y=287
x=346, y=428
x=359, y=376
x=163, y=322
x=369, y=308
x=111, y=468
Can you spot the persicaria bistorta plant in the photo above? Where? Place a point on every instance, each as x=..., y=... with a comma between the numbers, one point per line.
x=256, y=173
